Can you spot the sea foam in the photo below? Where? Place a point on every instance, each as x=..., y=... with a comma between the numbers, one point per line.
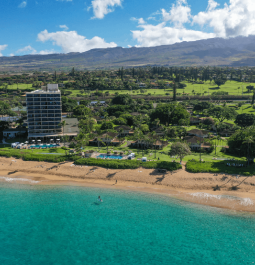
x=208, y=196
x=18, y=179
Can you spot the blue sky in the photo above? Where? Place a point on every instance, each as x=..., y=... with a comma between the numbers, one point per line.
x=62, y=26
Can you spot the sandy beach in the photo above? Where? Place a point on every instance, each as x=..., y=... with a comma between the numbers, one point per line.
x=235, y=192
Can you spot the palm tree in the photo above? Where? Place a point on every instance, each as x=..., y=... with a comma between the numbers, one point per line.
x=138, y=135
x=248, y=140
x=154, y=140
x=218, y=138
x=63, y=124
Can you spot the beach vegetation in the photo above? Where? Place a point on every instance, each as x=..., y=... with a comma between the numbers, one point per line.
x=228, y=167
x=128, y=164
x=242, y=143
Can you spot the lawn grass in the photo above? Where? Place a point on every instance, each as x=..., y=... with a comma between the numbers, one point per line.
x=220, y=167
x=21, y=86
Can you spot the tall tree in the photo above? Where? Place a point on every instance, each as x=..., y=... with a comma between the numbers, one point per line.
x=174, y=91
x=63, y=124
x=248, y=140
x=180, y=150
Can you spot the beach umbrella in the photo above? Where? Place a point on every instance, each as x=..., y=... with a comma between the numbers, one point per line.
x=33, y=140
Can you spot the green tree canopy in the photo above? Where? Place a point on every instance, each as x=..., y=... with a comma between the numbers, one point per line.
x=81, y=110
x=180, y=150
x=219, y=81
x=201, y=106
x=68, y=104
x=107, y=125
x=238, y=145
x=245, y=119
x=123, y=99
x=222, y=113
x=170, y=113
x=117, y=110
x=87, y=125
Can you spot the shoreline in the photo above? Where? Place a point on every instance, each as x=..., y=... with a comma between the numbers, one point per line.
x=191, y=187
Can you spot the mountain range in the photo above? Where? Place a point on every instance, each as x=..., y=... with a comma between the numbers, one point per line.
x=239, y=51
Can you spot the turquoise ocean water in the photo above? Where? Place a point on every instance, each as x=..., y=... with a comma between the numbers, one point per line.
x=64, y=225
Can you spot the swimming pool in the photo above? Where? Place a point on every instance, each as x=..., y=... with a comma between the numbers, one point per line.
x=110, y=156
x=45, y=146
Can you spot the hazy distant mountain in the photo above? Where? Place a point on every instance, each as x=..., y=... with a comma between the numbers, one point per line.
x=239, y=51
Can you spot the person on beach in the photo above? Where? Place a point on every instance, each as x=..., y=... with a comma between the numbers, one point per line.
x=116, y=182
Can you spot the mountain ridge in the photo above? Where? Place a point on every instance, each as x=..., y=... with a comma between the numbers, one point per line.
x=239, y=51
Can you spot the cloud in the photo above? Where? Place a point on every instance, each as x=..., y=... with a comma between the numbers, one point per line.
x=23, y=4
x=162, y=35
x=179, y=14
x=234, y=19
x=3, y=47
x=212, y=5
x=71, y=41
x=12, y=54
x=64, y=0
x=26, y=50
x=139, y=20
x=103, y=7
x=30, y=50
x=44, y=52
x=63, y=27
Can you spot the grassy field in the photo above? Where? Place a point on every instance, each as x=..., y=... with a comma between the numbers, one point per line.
x=232, y=87
x=20, y=86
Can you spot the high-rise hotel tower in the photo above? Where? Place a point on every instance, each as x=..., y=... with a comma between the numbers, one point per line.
x=44, y=112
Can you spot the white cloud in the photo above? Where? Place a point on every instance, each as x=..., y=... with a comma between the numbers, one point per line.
x=234, y=19
x=162, y=35
x=44, y=52
x=30, y=50
x=63, y=27
x=71, y=41
x=23, y=4
x=139, y=20
x=64, y=0
x=212, y=5
x=26, y=50
x=103, y=7
x=179, y=14
x=3, y=47
x=12, y=54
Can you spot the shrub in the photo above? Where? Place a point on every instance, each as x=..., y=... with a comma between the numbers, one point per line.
x=127, y=164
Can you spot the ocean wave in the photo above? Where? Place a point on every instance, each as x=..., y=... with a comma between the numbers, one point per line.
x=18, y=179
x=208, y=196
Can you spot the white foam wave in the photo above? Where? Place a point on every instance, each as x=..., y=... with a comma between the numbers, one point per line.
x=246, y=202
x=18, y=179
x=203, y=195
x=208, y=196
